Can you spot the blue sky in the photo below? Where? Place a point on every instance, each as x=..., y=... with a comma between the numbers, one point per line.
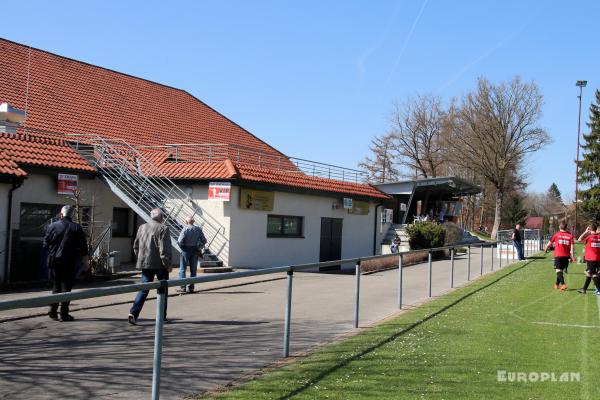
x=317, y=79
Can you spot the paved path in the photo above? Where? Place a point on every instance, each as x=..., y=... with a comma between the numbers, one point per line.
x=216, y=336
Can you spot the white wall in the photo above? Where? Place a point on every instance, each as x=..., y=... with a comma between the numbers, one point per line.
x=251, y=248
x=218, y=215
x=4, y=189
x=41, y=188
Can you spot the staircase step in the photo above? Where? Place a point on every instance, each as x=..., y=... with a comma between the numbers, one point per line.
x=214, y=270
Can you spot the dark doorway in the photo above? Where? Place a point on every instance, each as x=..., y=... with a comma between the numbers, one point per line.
x=331, y=241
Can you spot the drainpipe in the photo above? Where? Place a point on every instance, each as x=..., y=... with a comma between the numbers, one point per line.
x=14, y=187
x=375, y=230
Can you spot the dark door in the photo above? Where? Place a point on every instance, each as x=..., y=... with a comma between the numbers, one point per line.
x=331, y=240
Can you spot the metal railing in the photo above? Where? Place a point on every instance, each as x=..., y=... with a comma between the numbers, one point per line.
x=143, y=186
x=161, y=287
x=258, y=158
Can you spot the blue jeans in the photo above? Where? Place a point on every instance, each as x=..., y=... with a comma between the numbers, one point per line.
x=519, y=247
x=140, y=298
x=189, y=256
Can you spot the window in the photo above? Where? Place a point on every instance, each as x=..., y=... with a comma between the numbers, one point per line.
x=35, y=218
x=284, y=226
x=120, y=222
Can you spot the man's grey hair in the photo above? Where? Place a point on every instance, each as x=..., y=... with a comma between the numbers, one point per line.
x=189, y=220
x=157, y=214
x=67, y=211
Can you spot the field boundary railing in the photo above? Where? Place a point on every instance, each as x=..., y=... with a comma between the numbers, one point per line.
x=161, y=287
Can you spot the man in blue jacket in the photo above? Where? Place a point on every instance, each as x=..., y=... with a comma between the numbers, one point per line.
x=66, y=245
x=191, y=241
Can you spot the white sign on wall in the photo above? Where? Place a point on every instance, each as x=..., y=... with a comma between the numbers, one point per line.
x=67, y=184
x=219, y=191
x=347, y=203
x=389, y=215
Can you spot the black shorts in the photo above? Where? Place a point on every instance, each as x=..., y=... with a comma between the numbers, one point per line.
x=561, y=262
x=592, y=267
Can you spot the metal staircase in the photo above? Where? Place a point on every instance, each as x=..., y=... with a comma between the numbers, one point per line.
x=142, y=186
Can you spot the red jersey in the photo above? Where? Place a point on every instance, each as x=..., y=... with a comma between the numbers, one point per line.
x=562, y=244
x=592, y=247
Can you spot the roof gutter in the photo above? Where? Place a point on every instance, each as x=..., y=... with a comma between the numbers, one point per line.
x=15, y=186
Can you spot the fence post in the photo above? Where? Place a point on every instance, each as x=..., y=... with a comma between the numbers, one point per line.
x=452, y=267
x=513, y=252
x=429, y=275
x=469, y=262
x=492, y=248
x=481, y=260
x=499, y=250
x=507, y=254
x=288, y=314
x=158, y=339
x=400, y=281
x=356, y=294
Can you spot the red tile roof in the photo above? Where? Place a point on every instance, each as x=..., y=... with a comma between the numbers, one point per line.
x=69, y=96
x=41, y=150
x=300, y=180
x=534, y=222
x=8, y=166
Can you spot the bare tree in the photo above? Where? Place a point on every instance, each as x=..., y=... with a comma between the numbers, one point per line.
x=496, y=128
x=380, y=164
x=417, y=127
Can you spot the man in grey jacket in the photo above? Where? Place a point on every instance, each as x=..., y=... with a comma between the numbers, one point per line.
x=152, y=247
x=191, y=241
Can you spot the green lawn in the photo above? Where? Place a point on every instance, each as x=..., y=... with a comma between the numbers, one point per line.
x=454, y=346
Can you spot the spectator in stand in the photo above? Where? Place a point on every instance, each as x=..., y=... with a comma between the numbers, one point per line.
x=395, y=247
x=67, y=247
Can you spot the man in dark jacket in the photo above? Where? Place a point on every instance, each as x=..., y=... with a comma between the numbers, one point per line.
x=152, y=247
x=66, y=246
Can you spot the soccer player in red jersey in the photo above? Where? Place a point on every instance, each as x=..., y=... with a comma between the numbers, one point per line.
x=591, y=238
x=564, y=245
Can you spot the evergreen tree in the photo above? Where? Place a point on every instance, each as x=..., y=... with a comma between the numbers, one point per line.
x=545, y=226
x=515, y=212
x=554, y=193
x=589, y=166
x=380, y=166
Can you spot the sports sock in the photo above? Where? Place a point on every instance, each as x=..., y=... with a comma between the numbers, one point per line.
x=557, y=279
x=586, y=284
x=597, y=282
x=560, y=277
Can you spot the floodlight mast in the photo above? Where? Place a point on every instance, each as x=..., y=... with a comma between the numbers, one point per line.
x=580, y=85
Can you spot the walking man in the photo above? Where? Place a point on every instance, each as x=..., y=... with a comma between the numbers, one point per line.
x=517, y=242
x=563, y=251
x=191, y=241
x=66, y=246
x=152, y=247
x=591, y=238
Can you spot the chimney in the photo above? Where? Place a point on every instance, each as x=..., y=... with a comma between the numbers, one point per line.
x=11, y=118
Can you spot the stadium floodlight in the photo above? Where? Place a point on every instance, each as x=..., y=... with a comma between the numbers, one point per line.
x=580, y=85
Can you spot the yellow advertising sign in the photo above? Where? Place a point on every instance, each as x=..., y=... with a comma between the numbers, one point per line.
x=359, y=208
x=251, y=199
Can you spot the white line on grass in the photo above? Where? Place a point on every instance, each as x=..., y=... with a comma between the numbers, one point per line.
x=598, y=298
x=567, y=325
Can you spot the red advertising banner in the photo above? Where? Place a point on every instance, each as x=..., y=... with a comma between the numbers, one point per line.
x=67, y=184
x=219, y=191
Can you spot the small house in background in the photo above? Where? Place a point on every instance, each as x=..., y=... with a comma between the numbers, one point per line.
x=534, y=222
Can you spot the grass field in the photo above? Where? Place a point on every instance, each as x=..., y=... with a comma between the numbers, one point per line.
x=454, y=346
